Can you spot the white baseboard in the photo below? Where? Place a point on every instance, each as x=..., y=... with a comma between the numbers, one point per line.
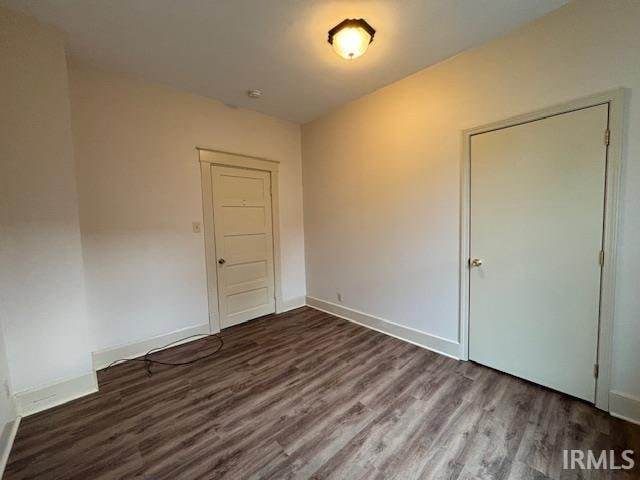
x=292, y=304
x=37, y=399
x=411, y=335
x=624, y=406
x=6, y=442
x=103, y=358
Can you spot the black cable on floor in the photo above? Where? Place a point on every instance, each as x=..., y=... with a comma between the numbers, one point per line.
x=149, y=361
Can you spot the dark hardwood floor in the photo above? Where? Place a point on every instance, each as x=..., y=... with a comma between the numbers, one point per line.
x=308, y=395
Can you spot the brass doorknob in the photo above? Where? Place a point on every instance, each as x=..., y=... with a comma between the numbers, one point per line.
x=476, y=262
x=222, y=261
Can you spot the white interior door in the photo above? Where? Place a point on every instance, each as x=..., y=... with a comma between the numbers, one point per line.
x=537, y=203
x=243, y=242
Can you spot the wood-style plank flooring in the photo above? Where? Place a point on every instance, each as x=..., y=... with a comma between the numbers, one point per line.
x=308, y=395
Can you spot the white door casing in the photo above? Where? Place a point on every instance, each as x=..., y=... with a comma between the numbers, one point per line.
x=536, y=223
x=616, y=100
x=247, y=290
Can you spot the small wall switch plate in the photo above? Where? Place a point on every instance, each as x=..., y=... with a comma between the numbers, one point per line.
x=196, y=226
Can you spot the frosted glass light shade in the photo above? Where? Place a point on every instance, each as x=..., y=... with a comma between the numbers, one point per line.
x=351, y=38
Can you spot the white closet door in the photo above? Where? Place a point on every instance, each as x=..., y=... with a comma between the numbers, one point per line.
x=537, y=202
x=244, y=243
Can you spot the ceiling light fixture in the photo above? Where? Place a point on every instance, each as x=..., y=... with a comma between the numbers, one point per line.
x=351, y=37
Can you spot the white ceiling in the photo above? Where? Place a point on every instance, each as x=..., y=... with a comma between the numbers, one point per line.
x=221, y=48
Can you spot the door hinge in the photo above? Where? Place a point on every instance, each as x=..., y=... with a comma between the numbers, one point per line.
x=607, y=136
x=601, y=257
x=596, y=370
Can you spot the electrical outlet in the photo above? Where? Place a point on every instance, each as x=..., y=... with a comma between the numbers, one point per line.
x=339, y=295
x=196, y=227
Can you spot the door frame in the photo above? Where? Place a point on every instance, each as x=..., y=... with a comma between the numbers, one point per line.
x=208, y=158
x=615, y=100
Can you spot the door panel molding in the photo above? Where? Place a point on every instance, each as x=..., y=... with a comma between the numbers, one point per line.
x=208, y=158
x=615, y=100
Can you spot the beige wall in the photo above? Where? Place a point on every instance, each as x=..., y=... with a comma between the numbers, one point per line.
x=42, y=301
x=381, y=175
x=139, y=186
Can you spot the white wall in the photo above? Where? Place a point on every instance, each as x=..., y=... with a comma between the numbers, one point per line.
x=139, y=186
x=381, y=175
x=7, y=405
x=41, y=279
